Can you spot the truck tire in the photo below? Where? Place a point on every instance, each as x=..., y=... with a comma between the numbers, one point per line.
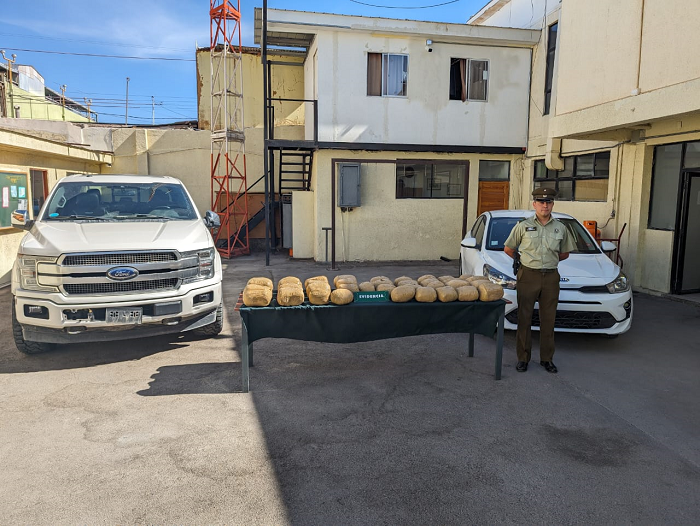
x=211, y=330
x=22, y=345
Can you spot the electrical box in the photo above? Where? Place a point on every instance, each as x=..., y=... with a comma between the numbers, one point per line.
x=348, y=185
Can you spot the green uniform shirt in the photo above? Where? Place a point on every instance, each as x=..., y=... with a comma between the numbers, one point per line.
x=540, y=245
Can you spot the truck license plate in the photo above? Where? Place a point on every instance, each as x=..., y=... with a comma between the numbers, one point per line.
x=129, y=316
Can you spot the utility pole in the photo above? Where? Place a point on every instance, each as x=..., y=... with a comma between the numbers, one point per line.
x=63, y=101
x=126, y=113
x=153, y=111
x=88, y=102
x=9, y=69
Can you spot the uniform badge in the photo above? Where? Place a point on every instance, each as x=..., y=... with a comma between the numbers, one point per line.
x=531, y=229
x=556, y=230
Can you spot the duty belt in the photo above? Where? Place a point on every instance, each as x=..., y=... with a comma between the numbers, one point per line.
x=542, y=270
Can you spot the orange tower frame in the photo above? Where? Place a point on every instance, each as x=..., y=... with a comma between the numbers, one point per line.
x=229, y=185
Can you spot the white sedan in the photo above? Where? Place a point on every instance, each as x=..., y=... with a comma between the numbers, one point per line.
x=594, y=297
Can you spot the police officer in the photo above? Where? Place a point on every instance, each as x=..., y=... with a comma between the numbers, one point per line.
x=542, y=242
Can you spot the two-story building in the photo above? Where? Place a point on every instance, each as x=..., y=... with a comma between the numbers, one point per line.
x=419, y=125
x=614, y=124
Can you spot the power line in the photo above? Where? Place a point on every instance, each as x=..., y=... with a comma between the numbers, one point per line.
x=405, y=7
x=100, y=56
x=99, y=42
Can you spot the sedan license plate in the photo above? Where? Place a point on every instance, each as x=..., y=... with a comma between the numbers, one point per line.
x=128, y=316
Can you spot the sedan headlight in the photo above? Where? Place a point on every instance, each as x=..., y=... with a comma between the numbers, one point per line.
x=621, y=284
x=205, y=259
x=499, y=277
x=29, y=268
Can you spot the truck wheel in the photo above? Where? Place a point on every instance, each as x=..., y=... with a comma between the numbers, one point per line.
x=23, y=345
x=211, y=330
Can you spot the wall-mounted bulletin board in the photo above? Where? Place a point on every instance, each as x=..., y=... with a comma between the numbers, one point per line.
x=13, y=195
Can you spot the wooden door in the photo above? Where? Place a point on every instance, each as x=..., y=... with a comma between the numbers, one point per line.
x=493, y=195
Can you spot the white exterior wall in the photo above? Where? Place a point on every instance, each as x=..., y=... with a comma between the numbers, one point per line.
x=426, y=115
x=524, y=14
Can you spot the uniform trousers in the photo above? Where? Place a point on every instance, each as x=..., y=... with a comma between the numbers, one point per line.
x=543, y=287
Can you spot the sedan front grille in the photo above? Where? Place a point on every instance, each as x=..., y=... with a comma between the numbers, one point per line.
x=118, y=258
x=121, y=286
x=569, y=319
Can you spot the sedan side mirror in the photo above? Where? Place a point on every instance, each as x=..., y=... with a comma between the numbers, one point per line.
x=20, y=219
x=469, y=242
x=607, y=246
x=211, y=219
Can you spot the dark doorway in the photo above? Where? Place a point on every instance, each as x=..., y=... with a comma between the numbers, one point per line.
x=686, y=277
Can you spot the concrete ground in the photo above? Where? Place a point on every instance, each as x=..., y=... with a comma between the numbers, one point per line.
x=404, y=431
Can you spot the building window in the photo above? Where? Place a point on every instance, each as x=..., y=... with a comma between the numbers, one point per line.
x=549, y=72
x=469, y=79
x=669, y=162
x=494, y=170
x=387, y=75
x=40, y=189
x=426, y=180
x=584, y=177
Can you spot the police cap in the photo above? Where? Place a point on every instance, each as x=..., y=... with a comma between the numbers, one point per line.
x=545, y=195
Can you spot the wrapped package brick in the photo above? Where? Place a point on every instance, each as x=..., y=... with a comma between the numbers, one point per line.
x=385, y=286
x=467, y=293
x=352, y=287
x=290, y=295
x=465, y=277
x=315, y=278
x=381, y=278
x=409, y=283
x=436, y=284
x=489, y=291
x=342, y=297
x=319, y=292
x=344, y=278
x=366, y=286
x=473, y=279
x=446, y=294
x=426, y=294
x=456, y=283
x=403, y=294
x=426, y=278
x=255, y=295
x=401, y=278
x=445, y=279
x=289, y=280
x=265, y=282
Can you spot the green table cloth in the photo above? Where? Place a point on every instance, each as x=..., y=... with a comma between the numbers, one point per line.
x=362, y=322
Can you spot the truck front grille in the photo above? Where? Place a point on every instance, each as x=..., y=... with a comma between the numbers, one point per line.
x=118, y=258
x=121, y=286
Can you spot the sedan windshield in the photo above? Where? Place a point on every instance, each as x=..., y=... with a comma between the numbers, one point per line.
x=119, y=201
x=500, y=227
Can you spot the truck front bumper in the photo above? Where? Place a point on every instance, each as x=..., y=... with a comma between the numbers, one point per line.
x=44, y=320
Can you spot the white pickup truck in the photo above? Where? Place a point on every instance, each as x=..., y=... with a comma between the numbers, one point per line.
x=113, y=257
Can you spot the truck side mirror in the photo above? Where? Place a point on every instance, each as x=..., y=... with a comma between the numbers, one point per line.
x=211, y=219
x=20, y=219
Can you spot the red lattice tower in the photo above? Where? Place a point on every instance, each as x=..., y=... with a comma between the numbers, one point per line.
x=229, y=186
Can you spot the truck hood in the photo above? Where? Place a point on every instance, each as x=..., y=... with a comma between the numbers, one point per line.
x=56, y=238
x=580, y=269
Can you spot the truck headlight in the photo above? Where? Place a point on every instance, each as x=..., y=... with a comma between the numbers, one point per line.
x=498, y=277
x=621, y=284
x=205, y=260
x=29, y=268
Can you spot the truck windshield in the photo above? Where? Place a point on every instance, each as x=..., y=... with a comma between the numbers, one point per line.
x=119, y=201
x=500, y=228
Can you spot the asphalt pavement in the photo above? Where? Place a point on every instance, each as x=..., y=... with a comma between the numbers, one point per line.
x=399, y=431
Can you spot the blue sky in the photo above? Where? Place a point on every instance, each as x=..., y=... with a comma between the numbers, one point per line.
x=152, y=28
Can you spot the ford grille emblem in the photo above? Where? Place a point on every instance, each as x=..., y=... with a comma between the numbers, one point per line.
x=122, y=273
